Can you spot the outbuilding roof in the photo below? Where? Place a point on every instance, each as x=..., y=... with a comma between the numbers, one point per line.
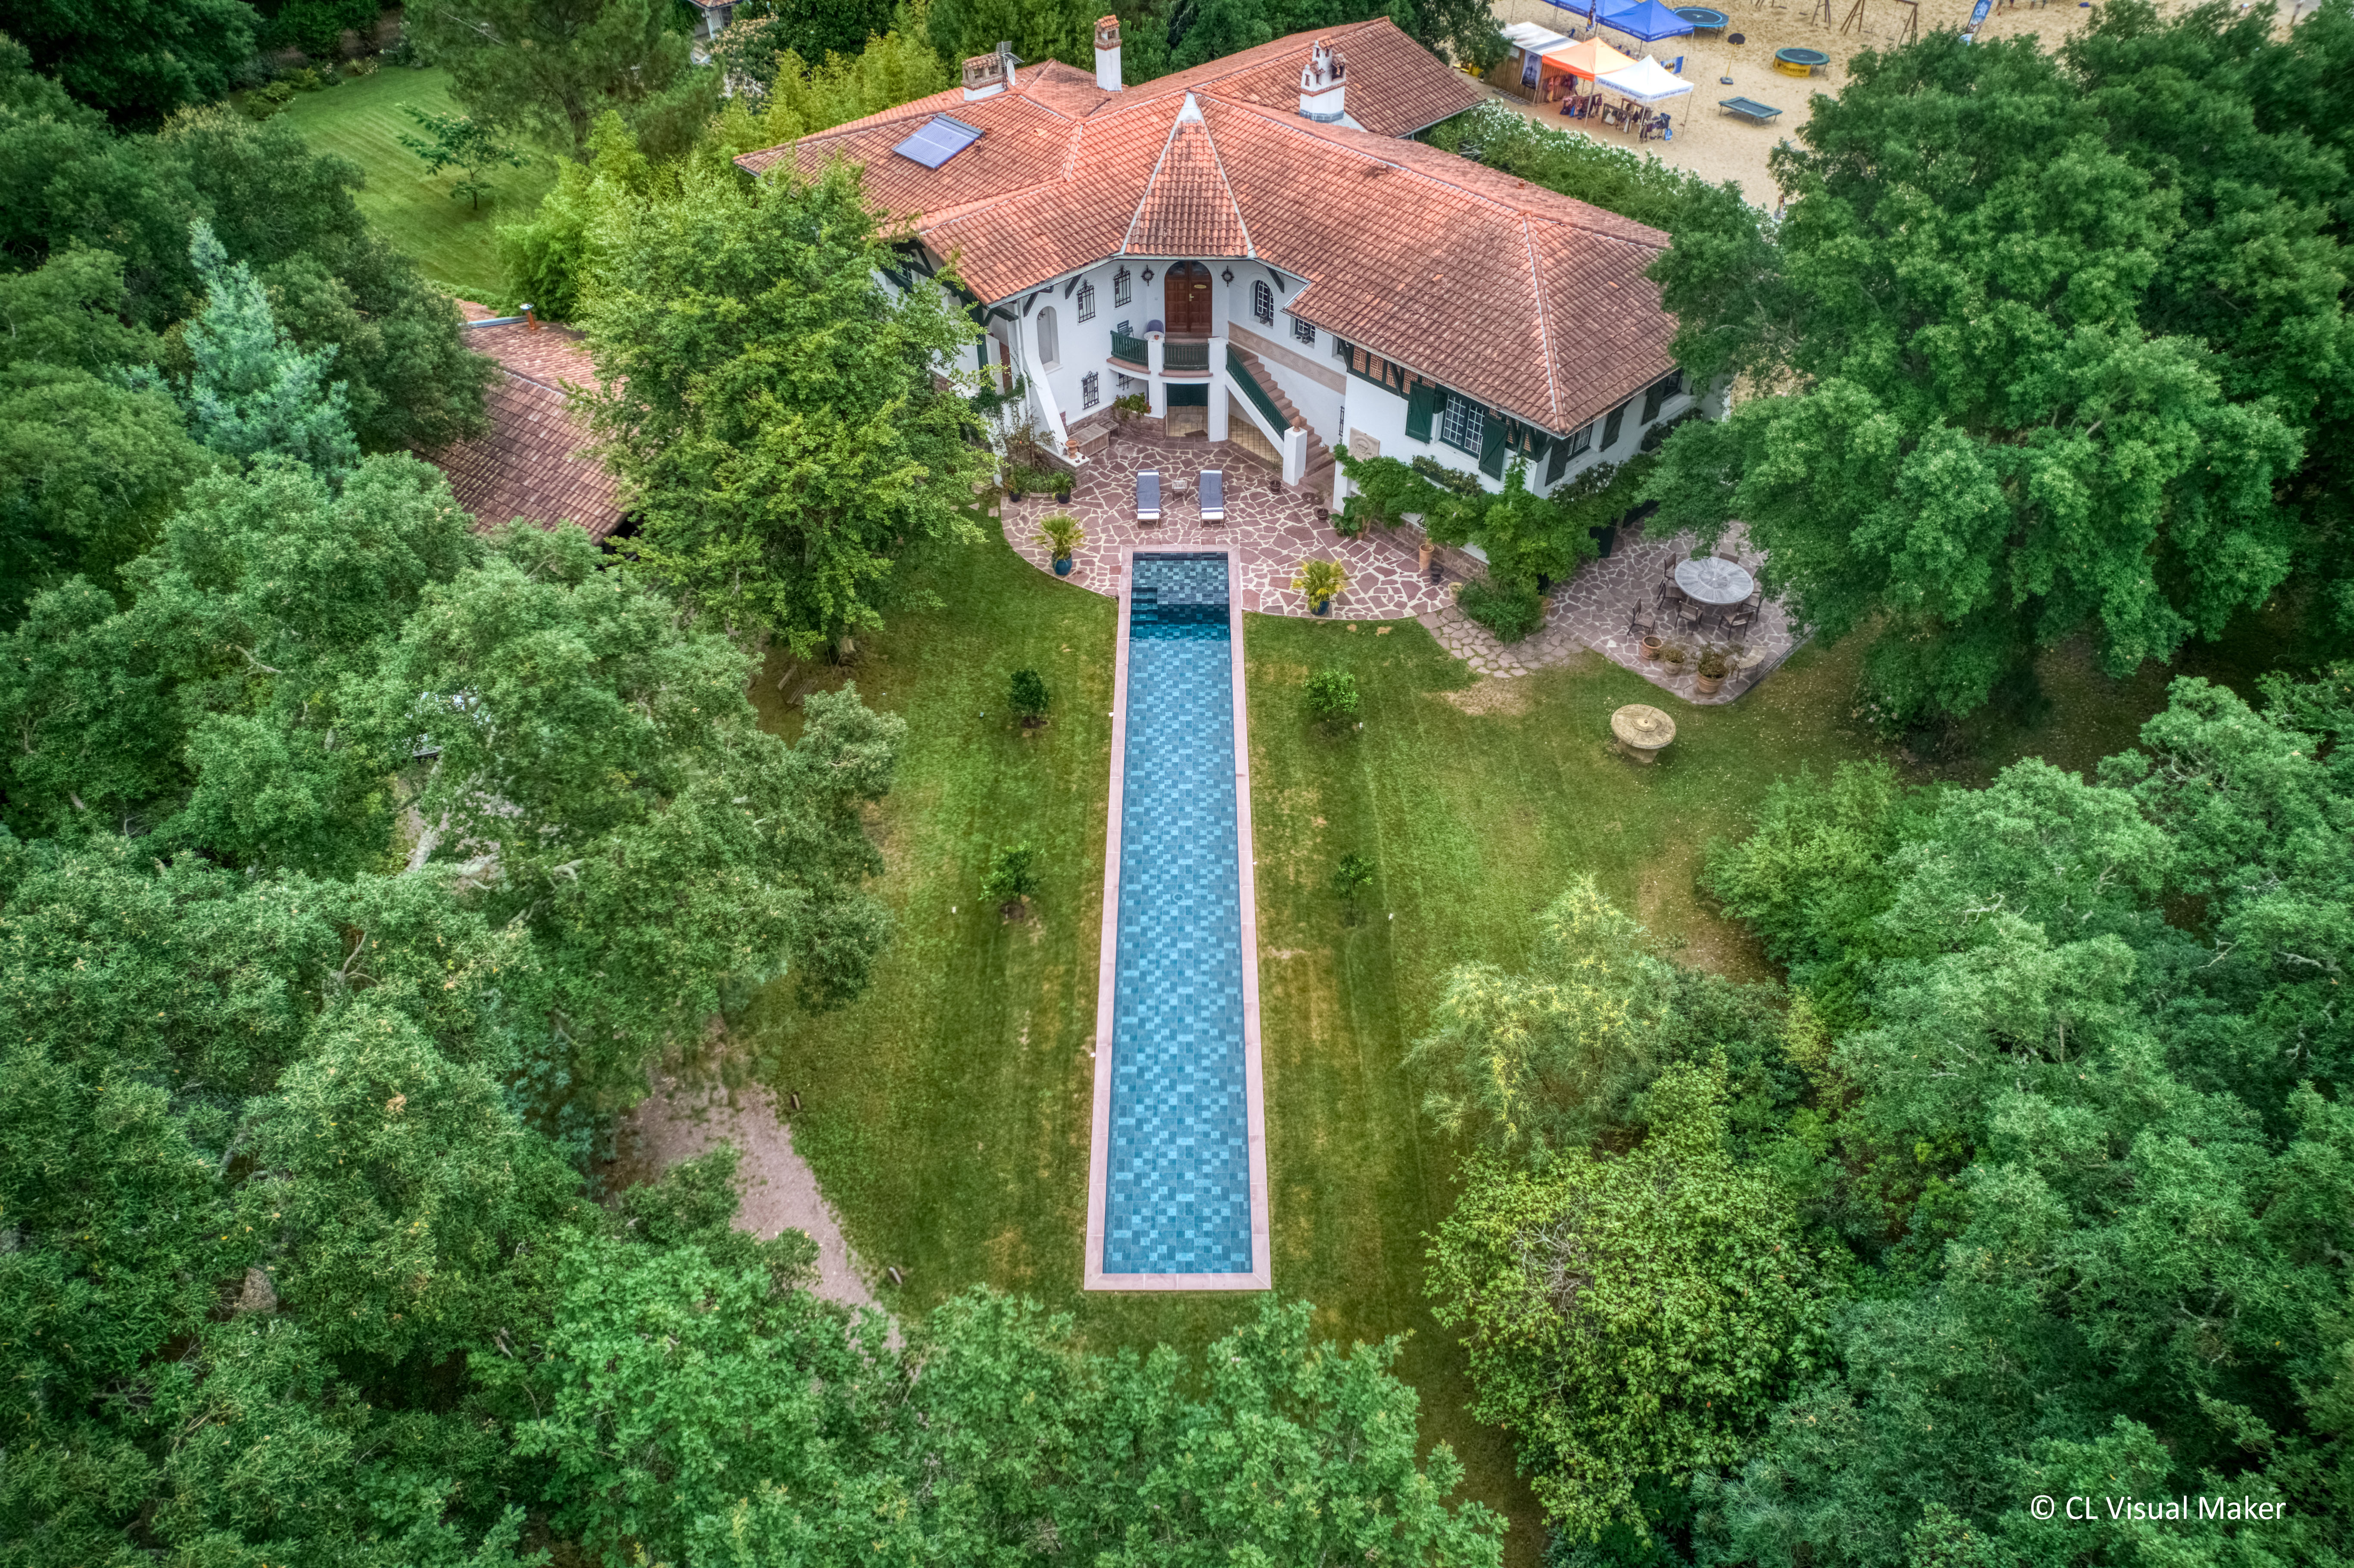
x=1527, y=299
x=530, y=464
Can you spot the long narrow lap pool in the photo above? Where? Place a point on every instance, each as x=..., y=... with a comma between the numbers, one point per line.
x=1178, y=1171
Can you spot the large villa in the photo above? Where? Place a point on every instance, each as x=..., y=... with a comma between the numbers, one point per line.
x=1258, y=250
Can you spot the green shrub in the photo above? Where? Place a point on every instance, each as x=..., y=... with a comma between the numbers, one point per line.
x=1511, y=613
x=1027, y=694
x=1351, y=876
x=1013, y=874
x=1452, y=479
x=1815, y=873
x=304, y=81
x=1332, y=695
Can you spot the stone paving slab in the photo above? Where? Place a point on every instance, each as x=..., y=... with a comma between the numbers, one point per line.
x=1271, y=528
x=1269, y=531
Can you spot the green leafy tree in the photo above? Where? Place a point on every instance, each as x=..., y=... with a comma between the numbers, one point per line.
x=601, y=772
x=88, y=471
x=2091, y=1012
x=1528, y=1061
x=137, y=60
x=763, y=29
x=773, y=407
x=547, y=68
x=457, y=141
x=1632, y=1316
x=1990, y=438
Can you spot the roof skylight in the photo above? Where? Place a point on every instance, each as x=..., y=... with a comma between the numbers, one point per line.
x=937, y=140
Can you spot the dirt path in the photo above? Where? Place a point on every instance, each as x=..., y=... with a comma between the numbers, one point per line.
x=778, y=1190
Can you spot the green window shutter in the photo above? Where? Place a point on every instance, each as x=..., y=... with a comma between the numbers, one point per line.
x=1651, y=401
x=1420, y=405
x=1557, y=461
x=1491, y=446
x=1610, y=427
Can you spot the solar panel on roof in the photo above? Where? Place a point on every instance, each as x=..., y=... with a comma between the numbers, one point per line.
x=937, y=140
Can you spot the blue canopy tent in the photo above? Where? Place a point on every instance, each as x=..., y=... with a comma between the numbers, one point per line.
x=1646, y=20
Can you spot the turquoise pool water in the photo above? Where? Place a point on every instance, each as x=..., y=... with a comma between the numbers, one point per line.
x=1177, y=1183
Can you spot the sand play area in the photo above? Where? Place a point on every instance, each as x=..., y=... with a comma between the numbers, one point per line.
x=1718, y=147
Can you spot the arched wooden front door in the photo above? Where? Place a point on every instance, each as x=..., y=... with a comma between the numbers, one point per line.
x=1186, y=306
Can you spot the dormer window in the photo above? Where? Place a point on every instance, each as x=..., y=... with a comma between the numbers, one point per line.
x=1262, y=302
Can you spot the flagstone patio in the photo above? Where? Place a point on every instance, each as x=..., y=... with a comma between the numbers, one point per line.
x=1270, y=531
x=1271, y=528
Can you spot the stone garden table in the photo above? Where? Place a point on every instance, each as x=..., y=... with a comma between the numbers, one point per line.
x=1642, y=731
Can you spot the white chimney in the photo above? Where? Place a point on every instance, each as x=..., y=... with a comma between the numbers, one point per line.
x=1107, y=53
x=1323, y=83
x=984, y=77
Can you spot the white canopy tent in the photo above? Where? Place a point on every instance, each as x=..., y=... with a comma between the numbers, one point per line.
x=1528, y=35
x=1647, y=81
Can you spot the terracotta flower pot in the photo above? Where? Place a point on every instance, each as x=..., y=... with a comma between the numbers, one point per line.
x=1707, y=685
x=1651, y=646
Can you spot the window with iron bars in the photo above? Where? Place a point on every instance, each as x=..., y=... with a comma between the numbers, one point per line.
x=1263, y=303
x=1119, y=287
x=1302, y=332
x=1086, y=301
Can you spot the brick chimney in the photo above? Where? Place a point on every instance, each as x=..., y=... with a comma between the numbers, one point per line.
x=986, y=75
x=1323, y=83
x=1107, y=53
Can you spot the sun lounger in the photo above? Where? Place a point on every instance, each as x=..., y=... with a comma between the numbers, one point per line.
x=1748, y=108
x=1213, y=496
x=1148, y=496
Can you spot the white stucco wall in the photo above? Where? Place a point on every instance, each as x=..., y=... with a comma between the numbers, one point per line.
x=1357, y=405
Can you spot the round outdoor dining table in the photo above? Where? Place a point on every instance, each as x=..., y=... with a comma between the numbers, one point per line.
x=1712, y=580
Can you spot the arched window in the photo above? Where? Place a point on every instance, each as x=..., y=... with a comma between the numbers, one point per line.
x=1050, y=350
x=1263, y=303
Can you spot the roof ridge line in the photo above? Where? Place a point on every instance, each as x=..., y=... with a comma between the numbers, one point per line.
x=1284, y=122
x=1218, y=162
x=1544, y=331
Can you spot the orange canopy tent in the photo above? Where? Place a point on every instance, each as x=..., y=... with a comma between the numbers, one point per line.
x=1589, y=57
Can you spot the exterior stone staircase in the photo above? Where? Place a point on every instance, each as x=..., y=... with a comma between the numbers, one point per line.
x=1316, y=478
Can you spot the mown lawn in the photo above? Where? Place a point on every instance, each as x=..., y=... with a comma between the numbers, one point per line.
x=454, y=242
x=947, y=1111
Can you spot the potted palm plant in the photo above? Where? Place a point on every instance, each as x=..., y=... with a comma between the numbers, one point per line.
x=1061, y=534
x=1319, y=582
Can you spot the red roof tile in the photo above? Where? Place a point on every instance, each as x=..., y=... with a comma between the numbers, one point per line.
x=529, y=464
x=1527, y=299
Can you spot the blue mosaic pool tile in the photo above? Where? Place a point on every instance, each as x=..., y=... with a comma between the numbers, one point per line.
x=1177, y=1196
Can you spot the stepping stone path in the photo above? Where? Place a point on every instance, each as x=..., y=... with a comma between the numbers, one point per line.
x=1272, y=528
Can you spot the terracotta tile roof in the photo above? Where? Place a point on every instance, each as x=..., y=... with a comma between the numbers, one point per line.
x=1395, y=86
x=1524, y=298
x=529, y=464
x=1188, y=209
